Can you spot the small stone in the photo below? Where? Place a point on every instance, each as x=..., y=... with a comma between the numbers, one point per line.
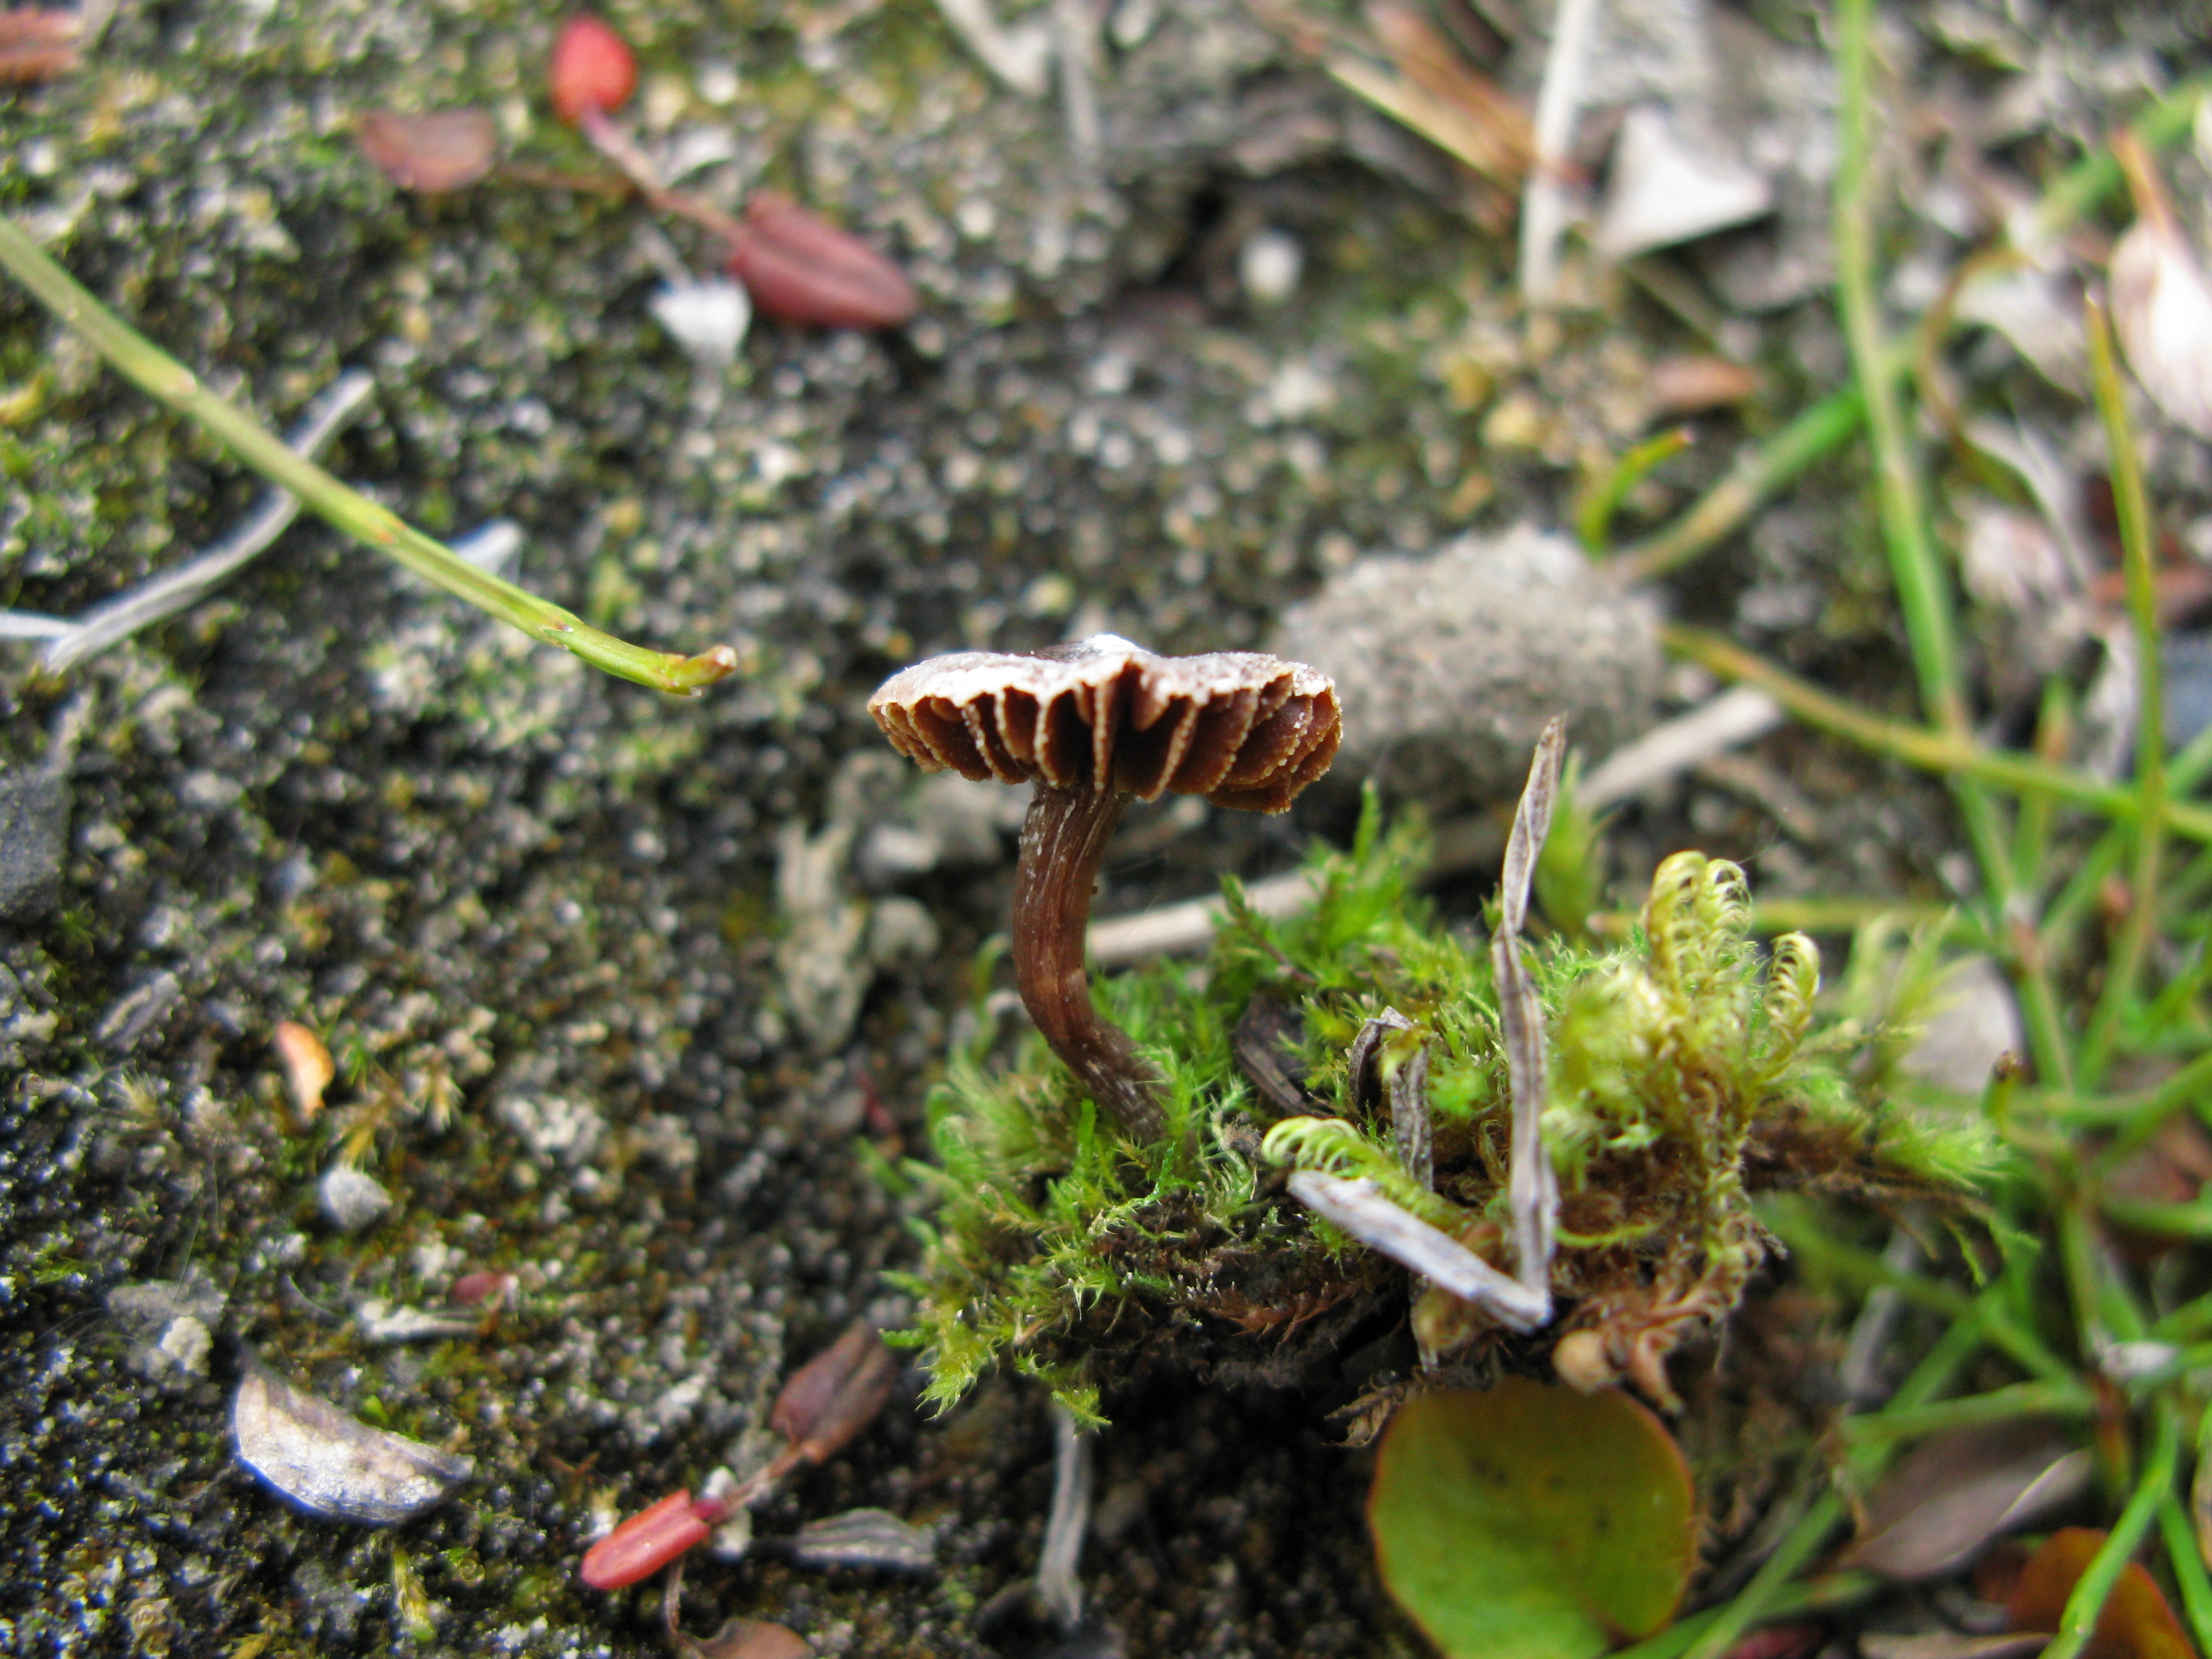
x=351, y=1199
x=1269, y=266
x=169, y=1323
x=1449, y=666
x=34, y=812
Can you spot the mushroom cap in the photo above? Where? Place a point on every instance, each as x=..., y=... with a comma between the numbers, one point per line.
x=1240, y=728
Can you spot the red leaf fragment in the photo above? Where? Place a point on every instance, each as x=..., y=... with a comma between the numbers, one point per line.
x=648, y=1541
x=36, y=45
x=2137, y=1622
x=836, y=1395
x=804, y=269
x=445, y=149
x=482, y=1285
x=592, y=68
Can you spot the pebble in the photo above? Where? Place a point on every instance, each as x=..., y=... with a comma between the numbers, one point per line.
x=1449, y=666
x=34, y=812
x=350, y=1198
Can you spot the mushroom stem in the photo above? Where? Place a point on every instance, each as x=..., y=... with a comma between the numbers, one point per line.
x=1063, y=842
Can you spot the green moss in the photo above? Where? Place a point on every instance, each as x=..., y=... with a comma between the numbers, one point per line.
x=1687, y=1065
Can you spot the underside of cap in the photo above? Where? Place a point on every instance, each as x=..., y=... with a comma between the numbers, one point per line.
x=1243, y=729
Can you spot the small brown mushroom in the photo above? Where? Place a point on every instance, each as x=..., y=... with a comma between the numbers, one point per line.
x=1093, y=726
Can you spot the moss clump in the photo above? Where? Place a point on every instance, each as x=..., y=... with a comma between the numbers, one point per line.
x=1687, y=1067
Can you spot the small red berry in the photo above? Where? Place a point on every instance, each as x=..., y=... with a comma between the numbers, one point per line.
x=592, y=68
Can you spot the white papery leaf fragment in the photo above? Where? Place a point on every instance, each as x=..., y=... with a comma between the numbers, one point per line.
x=2162, y=305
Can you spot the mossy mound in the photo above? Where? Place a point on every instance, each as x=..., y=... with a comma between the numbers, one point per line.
x=1688, y=1068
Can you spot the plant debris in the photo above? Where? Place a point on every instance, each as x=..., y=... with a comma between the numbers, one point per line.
x=313, y=1454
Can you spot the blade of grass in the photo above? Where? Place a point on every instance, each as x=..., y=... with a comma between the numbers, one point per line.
x=2069, y=1398
x=2132, y=508
x=1812, y=1247
x=1769, y=1591
x=1757, y=476
x=1932, y=751
x=2187, y=1562
x=1594, y=514
x=2079, y=1622
x=161, y=376
x=1922, y=581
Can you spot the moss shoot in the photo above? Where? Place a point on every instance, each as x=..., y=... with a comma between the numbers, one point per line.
x=1689, y=1067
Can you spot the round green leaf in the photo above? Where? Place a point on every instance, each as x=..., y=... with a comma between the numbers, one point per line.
x=1532, y=1522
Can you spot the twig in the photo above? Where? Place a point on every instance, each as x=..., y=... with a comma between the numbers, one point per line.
x=1544, y=203
x=161, y=376
x=2132, y=508
x=1059, y=1586
x=186, y=585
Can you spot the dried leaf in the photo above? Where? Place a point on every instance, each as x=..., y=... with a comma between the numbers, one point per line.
x=1532, y=1190
x=834, y=1395
x=1265, y=1046
x=864, y=1538
x=1949, y=1644
x=445, y=149
x=307, y=1068
x=1532, y=1522
x=805, y=269
x=36, y=45
x=2162, y=302
x=2137, y=1622
x=1955, y=1492
x=1690, y=386
x=1364, y=1210
x=331, y=1464
x=738, y=1638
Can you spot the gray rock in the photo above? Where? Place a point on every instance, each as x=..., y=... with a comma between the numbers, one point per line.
x=170, y=1323
x=350, y=1198
x=1449, y=666
x=34, y=812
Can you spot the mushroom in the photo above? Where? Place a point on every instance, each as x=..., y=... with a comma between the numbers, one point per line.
x=1093, y=726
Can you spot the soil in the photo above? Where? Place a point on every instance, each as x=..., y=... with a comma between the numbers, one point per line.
x=618, y=1003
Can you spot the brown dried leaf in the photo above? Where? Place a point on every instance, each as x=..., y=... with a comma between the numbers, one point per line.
x=738, y=1638
x=1690, y=384
x=331, y=1464
x=442, y=150
x=1954, y=1492
x=1265, y=1046
x=834, y=1395
x=2137, y=1622
x=36, y=45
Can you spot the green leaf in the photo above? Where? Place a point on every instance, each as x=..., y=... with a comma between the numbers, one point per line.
x=1524, y=1522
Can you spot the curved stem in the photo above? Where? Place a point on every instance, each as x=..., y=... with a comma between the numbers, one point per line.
x=1063, y=840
